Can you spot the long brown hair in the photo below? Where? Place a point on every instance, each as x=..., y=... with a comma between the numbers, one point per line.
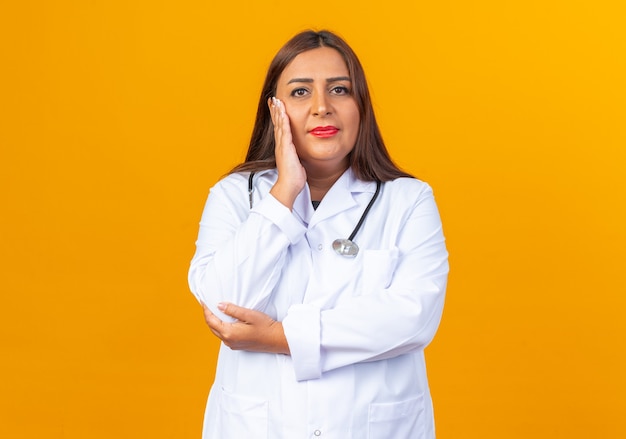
x=369, y=159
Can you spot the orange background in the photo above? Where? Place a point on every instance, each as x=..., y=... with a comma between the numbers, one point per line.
x=117, y=116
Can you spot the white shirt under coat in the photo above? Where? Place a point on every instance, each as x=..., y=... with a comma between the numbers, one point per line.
x=356, y=326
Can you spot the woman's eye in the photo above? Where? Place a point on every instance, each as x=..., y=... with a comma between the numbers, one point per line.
x=340, y=90
x=298, y=92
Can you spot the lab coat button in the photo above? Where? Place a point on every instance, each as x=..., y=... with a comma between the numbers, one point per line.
x=317, y=433
x=320, y=247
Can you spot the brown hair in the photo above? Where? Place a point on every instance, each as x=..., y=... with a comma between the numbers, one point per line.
x=369, y=158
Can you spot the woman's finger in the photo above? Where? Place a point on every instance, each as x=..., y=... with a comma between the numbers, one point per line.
x=240, y=313
x=215, y=324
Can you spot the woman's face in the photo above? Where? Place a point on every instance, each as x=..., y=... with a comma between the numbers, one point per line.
x=316, y=89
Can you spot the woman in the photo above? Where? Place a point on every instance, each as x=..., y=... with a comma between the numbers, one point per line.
x=322, y=337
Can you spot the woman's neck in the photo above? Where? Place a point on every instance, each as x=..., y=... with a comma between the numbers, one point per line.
x=320, y=183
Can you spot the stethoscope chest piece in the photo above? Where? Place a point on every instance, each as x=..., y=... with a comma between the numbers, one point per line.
x=345, y=247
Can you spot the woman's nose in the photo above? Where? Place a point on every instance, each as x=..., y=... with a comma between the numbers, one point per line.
x=320, y=106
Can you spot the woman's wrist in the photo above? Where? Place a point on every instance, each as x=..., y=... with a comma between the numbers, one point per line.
x=285, y=195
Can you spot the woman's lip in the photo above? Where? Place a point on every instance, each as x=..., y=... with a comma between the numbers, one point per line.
x=327, y=131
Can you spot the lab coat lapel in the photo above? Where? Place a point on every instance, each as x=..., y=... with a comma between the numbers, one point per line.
x=340, y=197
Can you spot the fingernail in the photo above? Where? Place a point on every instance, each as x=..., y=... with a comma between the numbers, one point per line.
x=221, y=306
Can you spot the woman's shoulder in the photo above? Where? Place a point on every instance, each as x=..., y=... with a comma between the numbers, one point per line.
x=408, y=193
x=408, y=185
x=241, y=180
x=236, y=181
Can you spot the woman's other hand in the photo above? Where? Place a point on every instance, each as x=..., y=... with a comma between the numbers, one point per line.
x=291, y=173
x=253, y=331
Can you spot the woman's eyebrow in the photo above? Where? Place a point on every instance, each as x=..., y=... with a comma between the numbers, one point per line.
x=334, y=79
x=299, y=80
x=339, y=78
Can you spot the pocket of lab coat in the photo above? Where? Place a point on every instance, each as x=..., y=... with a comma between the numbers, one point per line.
x=378, y=269
x=403, y=419
x=243, y=417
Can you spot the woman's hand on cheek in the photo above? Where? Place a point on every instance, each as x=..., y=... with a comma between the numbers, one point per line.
x=291, y=173
x=253, y=331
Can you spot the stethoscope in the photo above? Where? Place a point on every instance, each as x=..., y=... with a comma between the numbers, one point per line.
x=343, y=247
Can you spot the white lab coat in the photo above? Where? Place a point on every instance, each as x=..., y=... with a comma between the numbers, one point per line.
x=356, y=327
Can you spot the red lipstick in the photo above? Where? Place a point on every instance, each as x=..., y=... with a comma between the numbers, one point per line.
x=324, y=132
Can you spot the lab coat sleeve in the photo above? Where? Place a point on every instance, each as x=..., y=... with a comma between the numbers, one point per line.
x=240, y=252
x=398, y=319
